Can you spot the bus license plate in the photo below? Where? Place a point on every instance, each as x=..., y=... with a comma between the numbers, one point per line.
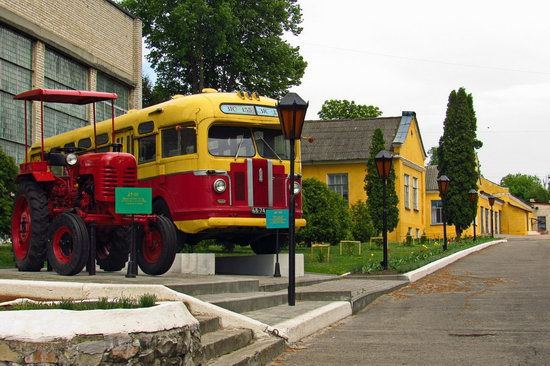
x=258, y=210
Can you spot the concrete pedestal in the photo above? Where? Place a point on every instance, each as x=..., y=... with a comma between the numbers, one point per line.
x=261, y=265
x=191, y=263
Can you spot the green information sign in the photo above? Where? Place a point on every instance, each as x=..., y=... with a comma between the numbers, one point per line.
x=133, y=200
x=276, y=219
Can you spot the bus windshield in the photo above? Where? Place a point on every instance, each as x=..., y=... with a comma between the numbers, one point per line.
x=233, y=141
x=271, y=144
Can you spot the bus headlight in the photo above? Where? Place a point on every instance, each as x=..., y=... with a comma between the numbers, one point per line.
x=297, y=188
x=71, y=159
x=219, y=186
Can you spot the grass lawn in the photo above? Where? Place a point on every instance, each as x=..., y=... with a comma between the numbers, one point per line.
x=402, y=258
x=144, y=301
x=6, y=257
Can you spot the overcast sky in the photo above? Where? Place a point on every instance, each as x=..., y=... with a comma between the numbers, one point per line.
x=409, y=55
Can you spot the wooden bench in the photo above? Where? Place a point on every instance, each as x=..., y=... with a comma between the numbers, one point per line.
x=350, y=242
x=322, y=246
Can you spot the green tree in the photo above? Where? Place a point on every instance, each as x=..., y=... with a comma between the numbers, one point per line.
x=361, y=222
x=434, y=159
x=374, y=188
x=326, y=213
x=8, y=171
x=224, y=44
x=344, y=109
x=526, y=187
x=152, y=93
x=457, y=158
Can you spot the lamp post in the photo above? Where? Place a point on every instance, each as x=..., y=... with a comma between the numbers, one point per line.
x=292, y=112
x=472, y=195
x=491, y=203
x=443, y=185
x=383, y=166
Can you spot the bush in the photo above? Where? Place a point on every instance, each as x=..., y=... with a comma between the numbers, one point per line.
x=326, y=212
x=8, y=172
x=361, y=223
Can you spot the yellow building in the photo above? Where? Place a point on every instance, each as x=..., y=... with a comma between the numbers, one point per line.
x=510, y=215
x=335, y=152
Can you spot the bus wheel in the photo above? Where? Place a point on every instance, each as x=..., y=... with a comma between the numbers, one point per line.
x=155, y=256
x=113, y=249
x=29, y=227
x=69, y=244
x=161, y=208
x=268, y=244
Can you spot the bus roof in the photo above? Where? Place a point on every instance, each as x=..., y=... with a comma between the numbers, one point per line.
x=66, y=96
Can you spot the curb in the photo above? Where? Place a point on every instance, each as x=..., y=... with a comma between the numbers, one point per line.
x=306, y=324
x=429, y=268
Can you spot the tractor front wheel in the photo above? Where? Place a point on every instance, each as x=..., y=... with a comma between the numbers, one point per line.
x=156, y=251
x=69, y=245
x=29, y=226
x=113, y=248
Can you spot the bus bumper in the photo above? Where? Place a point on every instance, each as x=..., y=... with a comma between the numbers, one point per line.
x=196, y=226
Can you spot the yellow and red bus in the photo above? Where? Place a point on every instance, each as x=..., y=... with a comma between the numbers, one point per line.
x=215, y=162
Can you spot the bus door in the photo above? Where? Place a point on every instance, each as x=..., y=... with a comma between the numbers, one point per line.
x=126, y=138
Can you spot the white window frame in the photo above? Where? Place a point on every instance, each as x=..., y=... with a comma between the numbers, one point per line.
x=434, y=212
x=335, y=182
x=407, y=191
x=415, y=193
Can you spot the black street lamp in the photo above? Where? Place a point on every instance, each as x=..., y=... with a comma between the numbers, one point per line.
x=383, y=166
x=472, y=195
x=443, y=185
x=292, y=112
x=491, y=203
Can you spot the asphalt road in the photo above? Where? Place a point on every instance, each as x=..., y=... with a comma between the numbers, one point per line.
x=490, y=308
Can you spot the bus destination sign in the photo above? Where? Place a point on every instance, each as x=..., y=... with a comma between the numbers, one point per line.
x=249, y=110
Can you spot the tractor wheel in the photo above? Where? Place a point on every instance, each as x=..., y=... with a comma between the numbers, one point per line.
x=156, y=256
x=112, y=249
x=29, y=227
x=161, y=208
x=69, y=245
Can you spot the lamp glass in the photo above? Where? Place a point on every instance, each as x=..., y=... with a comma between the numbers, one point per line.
x=383, y=163
x=472, y=195
x=443, y=184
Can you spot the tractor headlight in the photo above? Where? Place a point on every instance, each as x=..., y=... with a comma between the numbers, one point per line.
x=71, y=159
x=297, y=188
x=219, y=186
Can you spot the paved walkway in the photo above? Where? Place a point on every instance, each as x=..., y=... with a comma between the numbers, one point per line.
x=490, y=308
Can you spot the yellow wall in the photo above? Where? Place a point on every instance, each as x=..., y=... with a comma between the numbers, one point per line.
x=412, y=152
x=356, y=176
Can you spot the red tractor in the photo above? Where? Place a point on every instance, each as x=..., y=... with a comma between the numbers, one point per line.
x=65, y=205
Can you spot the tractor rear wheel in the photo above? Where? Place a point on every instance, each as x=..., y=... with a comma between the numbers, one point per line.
x=113, y=248
x=155, y=256
x=69, y=245
x=29, y=226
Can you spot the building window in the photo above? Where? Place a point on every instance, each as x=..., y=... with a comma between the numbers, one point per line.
x=481, y=221
x=487, y=222
x=437, y=212
x=415, y=193
x=407, y=200
x=418, y=233
x=15, y=77
x=339, y=184
x=61, y=72
x=106, y=84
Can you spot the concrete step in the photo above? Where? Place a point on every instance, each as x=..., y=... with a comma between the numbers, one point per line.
x=261, y=352
x=224, y=341
x=208, y=324
x=249, y=301
x=216, y=287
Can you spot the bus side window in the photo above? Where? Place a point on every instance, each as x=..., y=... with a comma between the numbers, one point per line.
x=178, y=141
x=147, y=149
x=129, y=145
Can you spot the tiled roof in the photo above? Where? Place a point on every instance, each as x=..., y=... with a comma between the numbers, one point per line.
x=340, y=140
x=431, y=178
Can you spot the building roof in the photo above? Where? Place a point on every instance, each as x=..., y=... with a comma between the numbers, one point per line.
x=431, y=178
x=340, y=140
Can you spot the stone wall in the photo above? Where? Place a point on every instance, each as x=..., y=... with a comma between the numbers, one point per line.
x=179, y=346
